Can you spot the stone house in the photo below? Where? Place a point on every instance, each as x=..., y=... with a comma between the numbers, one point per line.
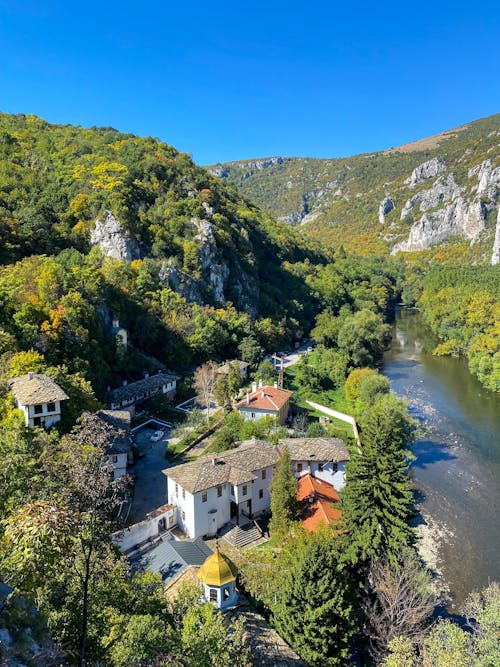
x=134, y=392
x=39, y=397
x=242, y=365
x=233, y=486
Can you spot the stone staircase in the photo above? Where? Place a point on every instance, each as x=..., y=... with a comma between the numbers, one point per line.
x=240, y=536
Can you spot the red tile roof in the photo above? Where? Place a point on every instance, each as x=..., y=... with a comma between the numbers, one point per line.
x=318, y=499
x=265, y=398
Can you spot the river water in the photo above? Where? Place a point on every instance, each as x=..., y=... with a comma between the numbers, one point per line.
x=457, y=466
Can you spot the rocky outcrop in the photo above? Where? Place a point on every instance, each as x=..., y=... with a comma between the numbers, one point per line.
x=216, y=270
x=386, y=206
x=220, y=172
x=114, y=240
x=443, y=191
x=495, y=257
x=428, y=169
x=488, y=179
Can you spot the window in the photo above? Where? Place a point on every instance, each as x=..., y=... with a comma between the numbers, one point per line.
x=114, y=459
x=252, y=415
x=183, y=517
x=264, y=474
x=219, y=491
x=261, y=493
x=335, y=467
x=38, y=409
x=51, y=407
x=37, y=421
x=176, y=489
x=203, y=496
x=227, y=593
x=233, y=492
x=244, y=490
x=183, y=493
x=299, y=467
x=212, y=595
x=320, y=466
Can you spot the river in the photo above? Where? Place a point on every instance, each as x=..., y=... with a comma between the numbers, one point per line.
x=457, y=466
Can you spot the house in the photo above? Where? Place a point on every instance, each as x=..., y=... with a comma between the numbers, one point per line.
x=233, y=486
x=39, y=397
x=242, y=365
x=135, y=392
x=265, y=402
x=324, y=458
x=119, y=449
x=120, y=334
x=319, y=503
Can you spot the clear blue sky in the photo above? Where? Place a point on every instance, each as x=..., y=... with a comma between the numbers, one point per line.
x=232, y=80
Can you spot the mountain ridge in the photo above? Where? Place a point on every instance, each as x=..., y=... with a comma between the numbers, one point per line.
x=355, y=201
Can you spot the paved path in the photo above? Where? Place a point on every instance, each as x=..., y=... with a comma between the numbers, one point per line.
x=150, y=489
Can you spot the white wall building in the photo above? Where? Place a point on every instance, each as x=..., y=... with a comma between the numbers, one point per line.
x=265, y=402
x=234, y=485
x=39, y=397
x=134, y=392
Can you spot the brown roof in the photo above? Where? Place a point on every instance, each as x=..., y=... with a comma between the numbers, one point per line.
x=33, y=388
x=265, y=398
x=318, y=499
x=315, y=449
x=136, y=389
x=234, y=466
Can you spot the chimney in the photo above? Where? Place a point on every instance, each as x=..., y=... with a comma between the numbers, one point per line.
x=262, y=394
x=275, y=385
x=260, y=384
x=146, y=375
x=124, y=383
x=254, y=387
x=30, y=375
x=214, y=460
x=248, y=398
x=116, y=323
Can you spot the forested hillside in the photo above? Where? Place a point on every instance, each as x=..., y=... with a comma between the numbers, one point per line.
x=437, y=195
x=97, y=225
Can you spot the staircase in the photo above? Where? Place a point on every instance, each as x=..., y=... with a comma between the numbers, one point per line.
x=240, y=536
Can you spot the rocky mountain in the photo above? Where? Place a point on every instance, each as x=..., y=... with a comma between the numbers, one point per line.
x=135, y=199
x=438, y=194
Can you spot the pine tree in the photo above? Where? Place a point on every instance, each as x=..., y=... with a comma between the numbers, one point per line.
x=315, y=612
x=378, y=499
x=284, y=487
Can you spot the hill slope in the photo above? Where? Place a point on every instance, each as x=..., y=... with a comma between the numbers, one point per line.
x=440, y=190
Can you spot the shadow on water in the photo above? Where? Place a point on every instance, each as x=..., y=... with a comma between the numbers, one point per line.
x=429, y=452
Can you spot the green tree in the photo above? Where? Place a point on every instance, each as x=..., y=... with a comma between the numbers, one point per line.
x=378, y=499
x=284, y=487
x=316, y=609
x=250, y=350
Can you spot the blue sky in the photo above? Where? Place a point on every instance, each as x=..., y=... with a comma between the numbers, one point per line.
x=228, y=81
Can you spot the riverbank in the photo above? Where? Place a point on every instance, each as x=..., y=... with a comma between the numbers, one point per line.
x=457, y=461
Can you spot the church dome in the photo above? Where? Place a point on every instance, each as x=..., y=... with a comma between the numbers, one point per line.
x=217, y=570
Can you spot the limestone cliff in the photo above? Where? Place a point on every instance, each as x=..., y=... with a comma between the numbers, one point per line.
x=114, y=239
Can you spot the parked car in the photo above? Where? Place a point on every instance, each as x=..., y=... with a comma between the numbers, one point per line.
x=157, y=435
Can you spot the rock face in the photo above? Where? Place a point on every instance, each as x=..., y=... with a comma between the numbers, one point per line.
x=428, y=169
x=114, y=240
x=449, y=210
x=216, y=270
x=386, y=206
x=495, y=257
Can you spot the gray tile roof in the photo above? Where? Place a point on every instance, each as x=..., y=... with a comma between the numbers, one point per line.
x=234, y=466
x=171, y=557
x=316, y=449
x=119, y=439
x=34, y=388
x=141, y=388
x=224, y=369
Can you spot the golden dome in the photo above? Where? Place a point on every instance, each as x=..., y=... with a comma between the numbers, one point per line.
x=217, y=570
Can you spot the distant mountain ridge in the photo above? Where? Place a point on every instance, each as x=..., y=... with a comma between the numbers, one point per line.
x=434, y=193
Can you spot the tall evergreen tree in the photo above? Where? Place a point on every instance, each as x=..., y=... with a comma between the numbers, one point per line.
x=378, y=499
x=284, y=487
x=315, y=612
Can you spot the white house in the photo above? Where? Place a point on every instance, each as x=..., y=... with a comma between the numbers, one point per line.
x=39, y=397
x=234, y=485
x=265, y=402
x=119, y=448
x=135, y=392
x=120, y=334
x=146, y=532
